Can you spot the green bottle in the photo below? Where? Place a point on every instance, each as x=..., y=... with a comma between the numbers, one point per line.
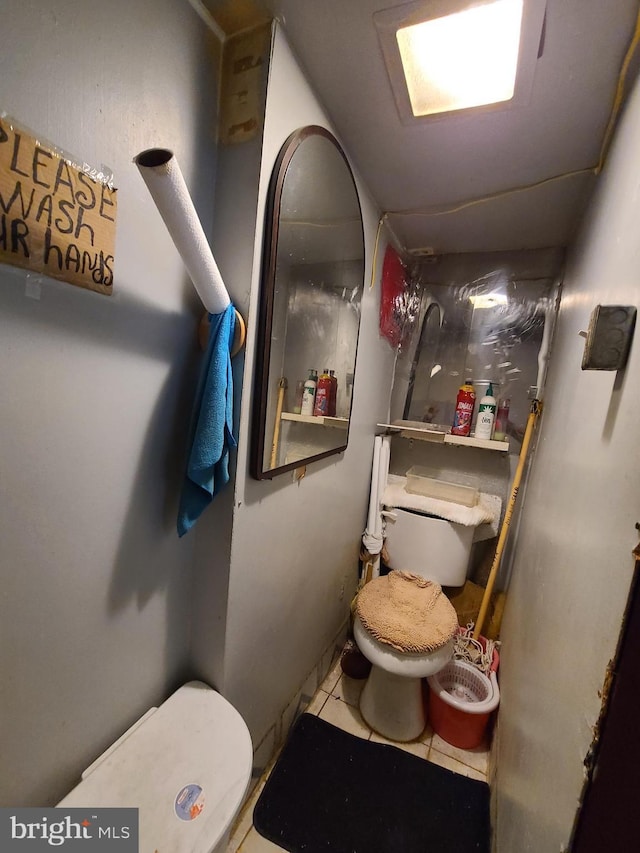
x=486, y=414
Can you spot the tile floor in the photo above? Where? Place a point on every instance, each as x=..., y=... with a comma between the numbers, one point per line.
x=336, y=701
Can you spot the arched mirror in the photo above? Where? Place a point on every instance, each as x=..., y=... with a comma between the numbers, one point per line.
x=311, y=290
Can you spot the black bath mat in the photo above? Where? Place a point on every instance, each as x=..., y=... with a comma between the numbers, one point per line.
x=333, y=792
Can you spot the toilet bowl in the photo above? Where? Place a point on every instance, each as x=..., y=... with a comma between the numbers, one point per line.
x=436, y=551
x=405, y=626
x=185, y=766
x=391, y=702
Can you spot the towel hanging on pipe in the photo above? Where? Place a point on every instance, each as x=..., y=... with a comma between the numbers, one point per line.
x=210, y=434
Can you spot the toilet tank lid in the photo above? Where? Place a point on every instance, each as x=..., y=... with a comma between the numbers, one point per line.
x=185, y=765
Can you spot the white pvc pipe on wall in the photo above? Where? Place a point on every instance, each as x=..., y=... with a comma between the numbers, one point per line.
x=383, y=472
x=161, y=173
x=373, y=496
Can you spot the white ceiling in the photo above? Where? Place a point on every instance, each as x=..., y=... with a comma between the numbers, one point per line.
x=433, y=166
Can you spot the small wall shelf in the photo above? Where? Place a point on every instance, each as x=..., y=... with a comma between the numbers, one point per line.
x=428, y=432
x=323, y=420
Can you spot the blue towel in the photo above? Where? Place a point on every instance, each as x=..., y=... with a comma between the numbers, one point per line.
x=211, y=434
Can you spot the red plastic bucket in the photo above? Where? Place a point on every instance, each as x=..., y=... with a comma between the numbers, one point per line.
x=462, y=723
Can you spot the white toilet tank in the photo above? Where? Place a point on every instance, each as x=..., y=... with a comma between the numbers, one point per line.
x=185, y=765
x=430, y=547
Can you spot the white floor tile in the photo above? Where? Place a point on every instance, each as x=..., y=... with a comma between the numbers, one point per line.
x=415, y=747
x=426, y=735
x=244, y=822
x=477, y=758
x=317, y=703
x=450, y=763
x=255, y=843
x=345, y=717
x=349, y=689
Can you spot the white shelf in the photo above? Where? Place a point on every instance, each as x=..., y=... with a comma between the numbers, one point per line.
x=472, y=441
x=323, y=420
x=426, y=432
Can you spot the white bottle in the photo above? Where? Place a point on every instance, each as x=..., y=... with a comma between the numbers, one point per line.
x=308, y=395
x=486, y=414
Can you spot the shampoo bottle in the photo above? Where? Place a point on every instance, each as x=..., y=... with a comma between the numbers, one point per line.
x=486, y=414
x=309, y=394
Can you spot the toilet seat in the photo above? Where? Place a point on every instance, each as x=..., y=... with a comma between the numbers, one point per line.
x=407, y=612
x=404, y=664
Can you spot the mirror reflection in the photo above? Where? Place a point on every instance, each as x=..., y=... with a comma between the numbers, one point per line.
x=312, y=283
x=487, y=319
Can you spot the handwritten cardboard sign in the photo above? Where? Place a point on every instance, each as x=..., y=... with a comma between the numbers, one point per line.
x=54, y=218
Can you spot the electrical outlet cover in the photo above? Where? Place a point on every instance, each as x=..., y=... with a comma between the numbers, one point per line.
x=609, y=337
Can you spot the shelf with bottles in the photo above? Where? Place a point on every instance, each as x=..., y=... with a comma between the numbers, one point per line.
x=321, y=420
x=441, y=435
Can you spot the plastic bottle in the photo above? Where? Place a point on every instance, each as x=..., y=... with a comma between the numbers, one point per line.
x=502, y=419
x=465, y=402
x=333, y=397
x=309, y=394
x=323, y=393
x=486, y=414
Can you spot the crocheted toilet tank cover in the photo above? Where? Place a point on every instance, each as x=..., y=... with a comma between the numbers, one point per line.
x=408, y=612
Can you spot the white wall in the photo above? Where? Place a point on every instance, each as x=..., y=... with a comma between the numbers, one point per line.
x=294, y=546
x=95, y=395
x=573, y=568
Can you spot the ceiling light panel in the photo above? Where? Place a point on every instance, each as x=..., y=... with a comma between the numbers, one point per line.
x=463, y=60
x=446, y=56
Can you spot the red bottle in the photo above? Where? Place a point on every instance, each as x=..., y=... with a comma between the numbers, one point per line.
x=464, y=409
x=323, y=393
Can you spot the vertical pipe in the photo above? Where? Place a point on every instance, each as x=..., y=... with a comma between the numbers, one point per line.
x=373, y=495
x=383, y=471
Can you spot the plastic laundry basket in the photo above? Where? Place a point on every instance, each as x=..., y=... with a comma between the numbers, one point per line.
x=461, y=700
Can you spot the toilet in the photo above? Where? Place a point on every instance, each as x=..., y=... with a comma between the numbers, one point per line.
x=186, y=765
x=427, y=553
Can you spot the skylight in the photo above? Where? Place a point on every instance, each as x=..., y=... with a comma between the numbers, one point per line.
x=462, y=60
